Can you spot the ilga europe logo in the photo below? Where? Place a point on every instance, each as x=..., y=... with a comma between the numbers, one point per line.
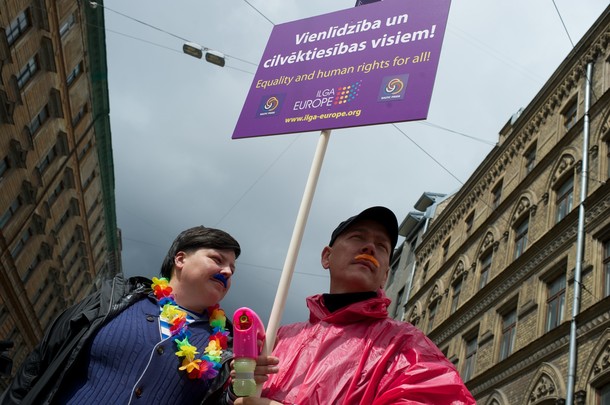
x=348, y=93
x=329, y=97
x=270, y=105
x=393, y=88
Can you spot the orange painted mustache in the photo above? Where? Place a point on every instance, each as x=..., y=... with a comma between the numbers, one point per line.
x=370, y=258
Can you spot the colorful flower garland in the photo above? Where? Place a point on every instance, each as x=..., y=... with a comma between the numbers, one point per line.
x=208, y=365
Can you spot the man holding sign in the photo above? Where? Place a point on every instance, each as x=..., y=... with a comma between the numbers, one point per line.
x=350, y=351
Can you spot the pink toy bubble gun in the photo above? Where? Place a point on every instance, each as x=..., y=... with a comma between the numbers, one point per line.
x=248, y=331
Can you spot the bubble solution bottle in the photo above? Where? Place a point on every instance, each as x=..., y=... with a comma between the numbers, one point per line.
x=248, y=331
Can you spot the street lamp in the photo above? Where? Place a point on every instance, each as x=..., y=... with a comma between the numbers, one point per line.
x=196, y=51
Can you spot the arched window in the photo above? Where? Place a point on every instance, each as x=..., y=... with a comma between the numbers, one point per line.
x=521, y=231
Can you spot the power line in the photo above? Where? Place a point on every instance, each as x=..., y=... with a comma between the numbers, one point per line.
x=258, y=11
x=429, y=155
x=163, y=31
x=142, y=40
x=493, y=53
x=170, y=49
x=257, y=180
x=573, y=46
x=139, y=21
x=562, y=23
x=457, y=133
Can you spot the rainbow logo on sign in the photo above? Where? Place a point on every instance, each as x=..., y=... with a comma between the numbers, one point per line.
x=348, y=93
x=393, y=88
x=270, y=105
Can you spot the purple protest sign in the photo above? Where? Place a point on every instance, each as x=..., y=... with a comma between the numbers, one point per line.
x=365, y=65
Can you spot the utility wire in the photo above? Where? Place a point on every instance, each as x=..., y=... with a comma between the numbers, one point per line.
x=493, y=53
x=562, y=23
x=429, y=155
x=171, y=49
x=595, y=98
x=427, y=123
x=142, y=40
x=165, y=32
x=257, y=180
x=258, y=11
x=140, y=21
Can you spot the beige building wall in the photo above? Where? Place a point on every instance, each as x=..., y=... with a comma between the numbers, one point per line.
x=494, y=275
x=58, y=234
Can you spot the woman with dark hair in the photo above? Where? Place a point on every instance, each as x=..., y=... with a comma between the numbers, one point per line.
x=164, y=341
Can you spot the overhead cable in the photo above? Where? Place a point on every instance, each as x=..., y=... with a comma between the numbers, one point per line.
x=258, y=11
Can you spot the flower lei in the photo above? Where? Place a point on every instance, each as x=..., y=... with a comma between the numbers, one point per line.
x=206, y=367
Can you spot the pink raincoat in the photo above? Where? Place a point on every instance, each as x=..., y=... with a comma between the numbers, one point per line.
x=357, y=355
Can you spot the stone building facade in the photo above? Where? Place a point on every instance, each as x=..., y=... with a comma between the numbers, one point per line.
x=493, y=283
x=58, y=232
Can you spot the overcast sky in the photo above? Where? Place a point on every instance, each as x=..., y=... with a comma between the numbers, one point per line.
x=173, y=115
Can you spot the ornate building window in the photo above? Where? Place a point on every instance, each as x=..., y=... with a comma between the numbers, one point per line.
x=56, y=193
x=485, y=262
x=606, y=266
x=27, y=72
x=39, y=119
x=469, y=222
x=472, y=346
x=11, y=210
x=48, y=159
x=433, y=303
x=23, y=240
x=432, y=310
x=79, y=115
x=555, y=303
x=66, y=25
x=74, y=74
x=603, y=395
x=496, y=195
x=32, y=267
x=424, y=272
x=398, y=309
x=509, y=329
x=569, y=114
x=608, y=158
x=393, y=267
x=565, y=196
x=455, y=295
x=521, y=237
x=530, y=158
x=446, y=249
x=17, y=27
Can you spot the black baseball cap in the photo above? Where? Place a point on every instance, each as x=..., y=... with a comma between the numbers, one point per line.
x=382, y=215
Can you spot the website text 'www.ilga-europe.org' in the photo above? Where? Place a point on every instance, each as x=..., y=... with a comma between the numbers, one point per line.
x=324, y=116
